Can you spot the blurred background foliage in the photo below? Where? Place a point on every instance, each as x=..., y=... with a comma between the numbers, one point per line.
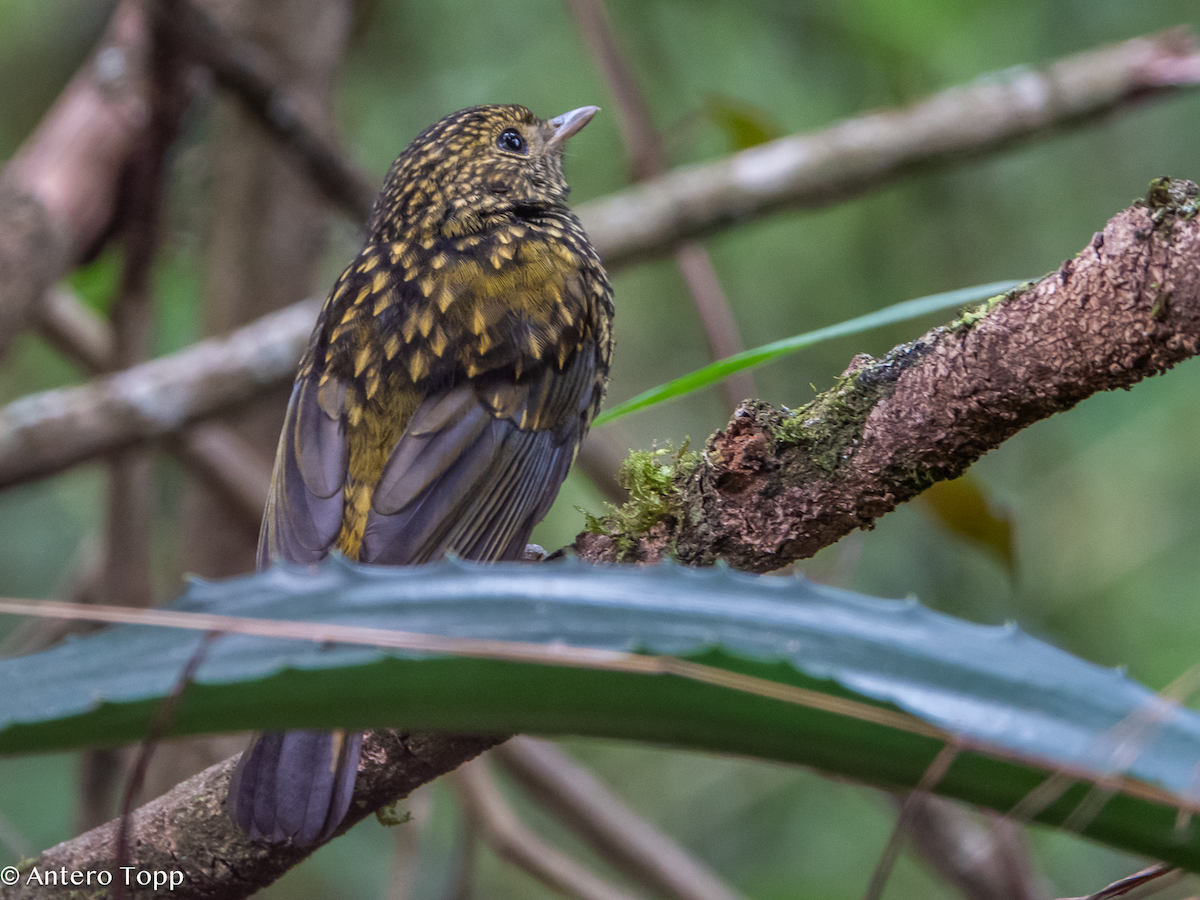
x=1102, y=503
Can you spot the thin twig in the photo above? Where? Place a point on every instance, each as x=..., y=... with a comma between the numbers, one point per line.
x=137, y=775
x=644, y=145
x=77, y=332
x=887, y=859
x=642, y=140
x=625, y=840
x=716, y=315
x=983, y=862
x=1114, y=751
x=127, y=534
x=229, y=464
x=241, y=67
x=1123, y=886
x=508, y=838
x=127, y=574
x=464, y=858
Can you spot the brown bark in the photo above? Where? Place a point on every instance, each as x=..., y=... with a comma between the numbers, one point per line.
x=776, y=486
x=187, y=830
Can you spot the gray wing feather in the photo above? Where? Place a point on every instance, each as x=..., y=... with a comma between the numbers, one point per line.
x=304, y=509
x=466, y=477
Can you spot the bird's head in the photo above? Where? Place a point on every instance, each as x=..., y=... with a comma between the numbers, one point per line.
x=473, y=164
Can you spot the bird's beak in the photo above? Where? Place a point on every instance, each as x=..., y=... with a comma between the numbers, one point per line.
x=570, y=123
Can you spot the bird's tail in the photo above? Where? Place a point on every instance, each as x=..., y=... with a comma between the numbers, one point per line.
x=294, y=785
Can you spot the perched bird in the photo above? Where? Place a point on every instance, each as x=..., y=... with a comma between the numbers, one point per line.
x=452, y=374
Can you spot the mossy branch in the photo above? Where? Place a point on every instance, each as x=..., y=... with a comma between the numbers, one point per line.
x=778, y=485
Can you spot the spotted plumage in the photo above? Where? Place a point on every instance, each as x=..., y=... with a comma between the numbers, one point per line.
x=451, y=376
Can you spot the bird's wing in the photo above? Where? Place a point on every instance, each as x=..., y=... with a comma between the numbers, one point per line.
x=479, y=464
x=304, y=509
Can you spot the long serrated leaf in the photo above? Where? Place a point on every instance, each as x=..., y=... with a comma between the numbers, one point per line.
x=1019, y=707
x=758, y=356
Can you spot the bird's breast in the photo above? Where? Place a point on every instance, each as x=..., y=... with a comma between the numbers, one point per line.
x=511, y=299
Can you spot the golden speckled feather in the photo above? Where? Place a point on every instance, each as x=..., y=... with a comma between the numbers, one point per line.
x=452, y=374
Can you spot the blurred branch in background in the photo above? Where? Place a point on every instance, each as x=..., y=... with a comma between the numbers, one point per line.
x=409, y=833
x=984, y=862
x=623, y=838
x=156, y=399
x=647, y=159
x=860, y=154
x=211, y=450
x=244, y=69
x=140, y=211
x=44, y=433
x=464, y=861
x=512, y=841
x=58, y=194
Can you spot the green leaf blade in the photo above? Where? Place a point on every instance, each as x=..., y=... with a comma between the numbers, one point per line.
x=748, y=359
x=1022, y=707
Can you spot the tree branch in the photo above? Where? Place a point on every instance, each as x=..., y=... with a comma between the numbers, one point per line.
x=225, y=460
x=858, y=155
x=186, y=830
x=778, y=485
x=152, y=400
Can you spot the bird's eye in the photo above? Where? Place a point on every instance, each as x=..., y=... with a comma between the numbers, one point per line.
x=511, y=140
